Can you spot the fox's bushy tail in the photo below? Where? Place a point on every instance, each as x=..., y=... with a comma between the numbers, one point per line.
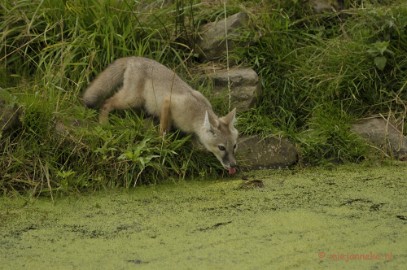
x=105, y=84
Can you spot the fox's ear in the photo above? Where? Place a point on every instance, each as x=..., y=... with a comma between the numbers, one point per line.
x=206, y=123
x=230, y=118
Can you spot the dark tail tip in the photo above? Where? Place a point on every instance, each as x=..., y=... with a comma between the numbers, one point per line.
x=89, y=104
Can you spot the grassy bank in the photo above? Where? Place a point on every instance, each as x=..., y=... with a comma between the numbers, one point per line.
x=319, y=72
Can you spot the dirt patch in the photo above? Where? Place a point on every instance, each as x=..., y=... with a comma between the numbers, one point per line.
x=346, y=217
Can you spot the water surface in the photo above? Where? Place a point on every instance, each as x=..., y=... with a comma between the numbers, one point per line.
x=347, y=217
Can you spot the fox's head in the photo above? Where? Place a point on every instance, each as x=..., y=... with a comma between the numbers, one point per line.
x=219, y=136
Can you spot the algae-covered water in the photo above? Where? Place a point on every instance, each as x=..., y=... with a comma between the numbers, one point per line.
x=347, y=217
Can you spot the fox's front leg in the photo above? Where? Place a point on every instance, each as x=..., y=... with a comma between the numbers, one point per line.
x=106, y=108
x=165, y=116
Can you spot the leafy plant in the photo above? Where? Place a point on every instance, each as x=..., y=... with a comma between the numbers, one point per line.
x=378, y=50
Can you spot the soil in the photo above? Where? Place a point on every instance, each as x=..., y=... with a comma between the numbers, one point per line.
x=345, y=217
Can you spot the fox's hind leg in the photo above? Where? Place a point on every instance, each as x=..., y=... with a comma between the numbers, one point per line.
x=110, y=104
x=165, y=117
x=129, y=96
x=119, y=101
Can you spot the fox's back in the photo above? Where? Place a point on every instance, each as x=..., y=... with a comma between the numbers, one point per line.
x=160, y=83
x=159, y=75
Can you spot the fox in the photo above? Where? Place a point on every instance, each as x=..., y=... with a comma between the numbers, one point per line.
x=143, y=83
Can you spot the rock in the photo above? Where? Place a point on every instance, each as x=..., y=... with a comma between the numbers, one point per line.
x=212, y=44
x=383, y=135
x=320, y=6
x=244, y=84
x=9, y=117
x=255, y=152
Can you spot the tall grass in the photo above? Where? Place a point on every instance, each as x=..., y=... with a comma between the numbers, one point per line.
x=67, y=43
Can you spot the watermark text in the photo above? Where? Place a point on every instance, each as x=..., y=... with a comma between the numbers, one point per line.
x=348, y=257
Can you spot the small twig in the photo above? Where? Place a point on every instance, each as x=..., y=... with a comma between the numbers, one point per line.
x=46, y=172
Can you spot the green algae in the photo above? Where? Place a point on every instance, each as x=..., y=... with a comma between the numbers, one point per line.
x=347, y=217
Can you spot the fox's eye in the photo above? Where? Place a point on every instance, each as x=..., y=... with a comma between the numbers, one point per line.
x=221, y=148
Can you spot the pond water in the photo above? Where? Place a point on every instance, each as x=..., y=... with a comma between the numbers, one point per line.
x=345, y=217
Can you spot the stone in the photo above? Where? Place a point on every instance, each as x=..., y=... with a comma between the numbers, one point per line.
x=212, y=42
x=384, y=135
x=320, y=6
x=9, y=117
x=255, y=152
x=244, y=84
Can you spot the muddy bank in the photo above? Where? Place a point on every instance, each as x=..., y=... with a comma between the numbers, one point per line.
x=352, y=217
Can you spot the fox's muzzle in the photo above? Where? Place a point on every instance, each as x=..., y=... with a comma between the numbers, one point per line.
x=229, y=163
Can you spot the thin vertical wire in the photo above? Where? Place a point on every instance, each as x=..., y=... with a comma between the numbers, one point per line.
x=227, y=57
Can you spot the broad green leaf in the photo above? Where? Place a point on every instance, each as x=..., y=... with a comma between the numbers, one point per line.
x=380, y=62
